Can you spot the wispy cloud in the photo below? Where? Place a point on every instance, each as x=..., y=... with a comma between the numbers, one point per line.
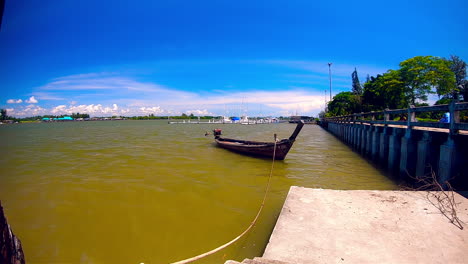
x=48, y=96
x=100, y=83
x=107, y=85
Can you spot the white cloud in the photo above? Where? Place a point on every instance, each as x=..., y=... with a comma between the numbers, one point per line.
x=13, y=101
x=28, y=111
x=199, y=112
x=271, y=103
x=31, y=100
x=105, y=94
x=92, y=109
x=156, y=110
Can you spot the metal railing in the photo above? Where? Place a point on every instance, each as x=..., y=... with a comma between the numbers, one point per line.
x=372, y=118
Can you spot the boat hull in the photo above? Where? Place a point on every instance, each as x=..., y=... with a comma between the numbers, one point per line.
x=278, y=149
x=258, y=149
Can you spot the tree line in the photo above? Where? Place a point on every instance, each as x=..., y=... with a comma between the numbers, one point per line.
x=411, y=84
x=3, y=114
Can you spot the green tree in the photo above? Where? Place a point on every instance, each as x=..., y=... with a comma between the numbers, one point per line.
x=421, y=74
x=3, y=114
x=357, y=88
x=344, y=103
x=321, y=114
x=443, y=100
x=384, y=91
x=458, y=67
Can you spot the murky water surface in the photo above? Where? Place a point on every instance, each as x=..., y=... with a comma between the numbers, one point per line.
x=150, y=192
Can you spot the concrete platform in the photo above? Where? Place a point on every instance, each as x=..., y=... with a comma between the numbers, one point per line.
x=329, y=226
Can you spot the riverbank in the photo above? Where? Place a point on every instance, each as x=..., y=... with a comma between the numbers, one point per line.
x=331, y=226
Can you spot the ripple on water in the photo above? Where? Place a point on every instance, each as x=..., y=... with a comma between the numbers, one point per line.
x=89, y=186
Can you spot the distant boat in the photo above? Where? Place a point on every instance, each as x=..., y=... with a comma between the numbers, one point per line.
x=256, y=148
x=245, y=120
x=226, y=120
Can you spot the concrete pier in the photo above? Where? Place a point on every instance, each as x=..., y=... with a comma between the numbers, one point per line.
x=409, y=148
x=409, y=152
x=329, y=226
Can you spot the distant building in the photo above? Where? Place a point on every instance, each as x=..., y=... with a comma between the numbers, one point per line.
x=65, y=118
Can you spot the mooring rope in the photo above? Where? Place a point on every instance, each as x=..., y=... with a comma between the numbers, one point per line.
x=248, y=228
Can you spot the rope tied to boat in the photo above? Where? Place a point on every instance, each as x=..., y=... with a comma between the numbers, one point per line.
x=192, y=259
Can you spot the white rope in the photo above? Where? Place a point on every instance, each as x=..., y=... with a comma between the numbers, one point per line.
x=248, y=228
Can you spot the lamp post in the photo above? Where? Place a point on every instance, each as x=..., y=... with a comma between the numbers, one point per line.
x=325, y=106
x=329, y=73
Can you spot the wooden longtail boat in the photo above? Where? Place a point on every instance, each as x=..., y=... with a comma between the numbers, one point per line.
x=255, y=148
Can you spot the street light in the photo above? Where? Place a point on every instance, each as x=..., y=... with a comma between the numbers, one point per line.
x=325, y=106
x=329, y=73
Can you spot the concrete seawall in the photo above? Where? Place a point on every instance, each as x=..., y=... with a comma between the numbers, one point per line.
x=358, y=226
x=330, y=226
x=408, y=152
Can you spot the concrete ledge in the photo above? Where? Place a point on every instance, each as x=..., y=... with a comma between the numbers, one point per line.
x=329, y=226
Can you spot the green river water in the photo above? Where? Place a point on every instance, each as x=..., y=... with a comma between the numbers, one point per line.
x=150, y=192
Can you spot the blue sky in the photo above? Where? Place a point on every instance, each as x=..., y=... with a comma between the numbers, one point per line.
x=209, y=57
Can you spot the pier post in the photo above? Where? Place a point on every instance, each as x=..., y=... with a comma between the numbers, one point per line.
x=350, y=133
x=408, y=147
x=346, y=131
x=424, y=154
x=369, y=140
x=408, y=151
x=358, y=137
x=353, y=132
x=447, y=161
x=363, y=139
x=383, y=149
x=394, y=150
x=343, y=136
x=354, y=137
x=375, y=143
x=448, y=153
